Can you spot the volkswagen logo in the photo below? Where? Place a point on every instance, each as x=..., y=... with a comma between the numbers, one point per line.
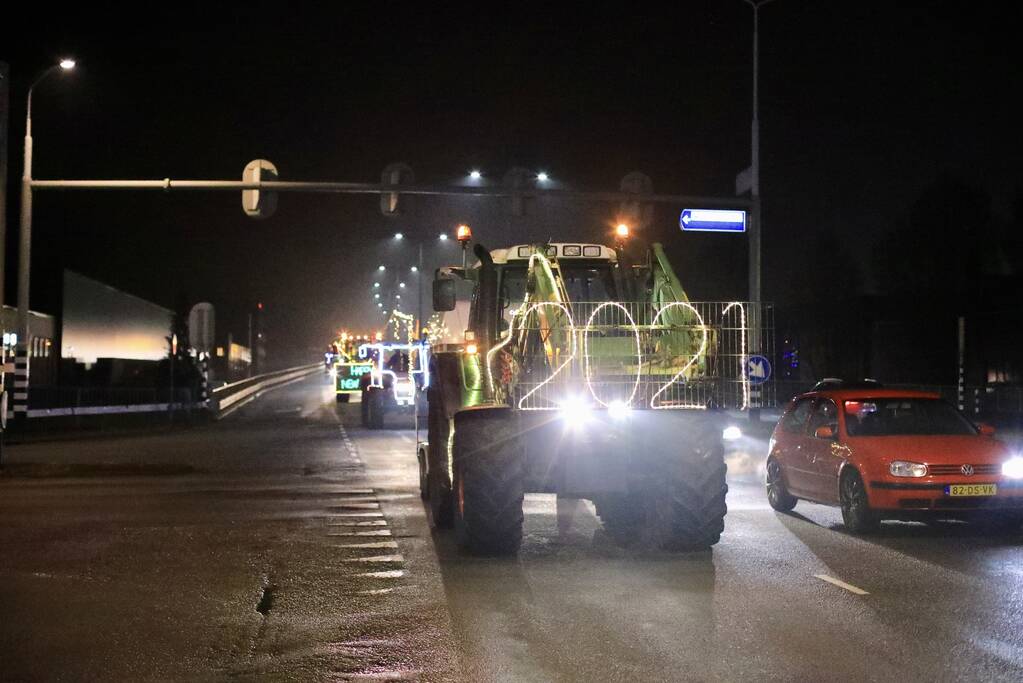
x=967, y=470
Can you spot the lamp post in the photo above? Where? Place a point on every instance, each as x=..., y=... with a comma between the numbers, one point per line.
x=21, y=356
x=418, y=271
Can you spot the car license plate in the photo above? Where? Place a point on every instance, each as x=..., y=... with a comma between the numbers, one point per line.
x=956, y=490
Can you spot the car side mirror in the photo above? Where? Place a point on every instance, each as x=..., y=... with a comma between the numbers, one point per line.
x=986, y=429
x=444, y=295
x=825, y=432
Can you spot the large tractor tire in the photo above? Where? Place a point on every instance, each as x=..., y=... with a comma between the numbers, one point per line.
x=675, y=502
x=489, y=471
x=439, y=498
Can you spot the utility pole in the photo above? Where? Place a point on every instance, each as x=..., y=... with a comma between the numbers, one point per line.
x=756, y=226
x=419, y=281
x=751, y=180
x=5, y=89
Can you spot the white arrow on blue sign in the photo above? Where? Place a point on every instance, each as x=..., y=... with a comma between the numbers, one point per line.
x=712, y=220
x=758, y=369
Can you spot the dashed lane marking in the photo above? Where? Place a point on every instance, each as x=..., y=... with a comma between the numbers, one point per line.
x=374, y=545
x=356, y=514
x=841, y=584
x=397, y=557
x=367, y=522
x=390, y=574
x=352, y=533
x=354, y=506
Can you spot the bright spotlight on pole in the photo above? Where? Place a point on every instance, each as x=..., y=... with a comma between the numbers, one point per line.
x=542, y=177
x=398, y=236
x=381, y=268
x=443, y=237
x=414, y=269
x=67, y=64
x=475, y=175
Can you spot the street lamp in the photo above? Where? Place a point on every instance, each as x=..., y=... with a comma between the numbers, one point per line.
x=25, y=243
x=398, y=236
x=542, y=177
x=443, y=237
x=475, y=175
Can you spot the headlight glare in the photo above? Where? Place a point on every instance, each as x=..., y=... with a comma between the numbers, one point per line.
x=1013, y=468
x=575, y=412
x=901, y=468
x=731, y=433
x=618, y=410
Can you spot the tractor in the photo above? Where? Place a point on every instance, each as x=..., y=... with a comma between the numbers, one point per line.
x=584, y=376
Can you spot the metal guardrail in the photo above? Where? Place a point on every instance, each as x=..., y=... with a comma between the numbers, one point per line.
x=229, y=397
x=80, y=401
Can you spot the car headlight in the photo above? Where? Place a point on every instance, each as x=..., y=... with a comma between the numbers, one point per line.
x=901, y=468
x=731, y=433
x=1013, y=468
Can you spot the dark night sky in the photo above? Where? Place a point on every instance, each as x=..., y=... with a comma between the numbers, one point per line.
x=862, y=106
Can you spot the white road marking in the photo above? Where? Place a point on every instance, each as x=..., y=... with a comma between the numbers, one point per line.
x=370, y=522
x=351, y=533
x=392, y=574
x=841, y=584
x=356, y=506
x=375, y=545
x=378, y=558
x=357, y=514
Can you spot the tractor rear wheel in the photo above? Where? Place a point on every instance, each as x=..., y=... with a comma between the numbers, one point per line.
x=438, y=480
x=489, y=474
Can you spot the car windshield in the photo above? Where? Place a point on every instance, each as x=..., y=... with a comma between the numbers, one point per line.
x=904, y=416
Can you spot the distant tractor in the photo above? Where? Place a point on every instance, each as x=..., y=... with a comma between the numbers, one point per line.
x=396, y=371
x=585, y=377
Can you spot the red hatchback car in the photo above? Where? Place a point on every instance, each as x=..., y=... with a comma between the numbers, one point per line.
x=891, y=454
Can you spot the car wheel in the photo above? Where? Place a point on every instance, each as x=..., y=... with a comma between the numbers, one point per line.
x=777, y=495
x=856, y=512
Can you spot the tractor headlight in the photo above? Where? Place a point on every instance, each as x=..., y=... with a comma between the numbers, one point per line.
x=575, y=412
x=618, y=410
x=1013, y=468
x=901, y=468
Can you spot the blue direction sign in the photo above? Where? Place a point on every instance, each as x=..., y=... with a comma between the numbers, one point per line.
x=758, y=369
x=712, y=220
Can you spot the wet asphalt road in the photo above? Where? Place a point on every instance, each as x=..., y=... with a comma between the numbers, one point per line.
x=159, y=576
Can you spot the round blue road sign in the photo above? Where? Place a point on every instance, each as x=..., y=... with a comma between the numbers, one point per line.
x=757, y=370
